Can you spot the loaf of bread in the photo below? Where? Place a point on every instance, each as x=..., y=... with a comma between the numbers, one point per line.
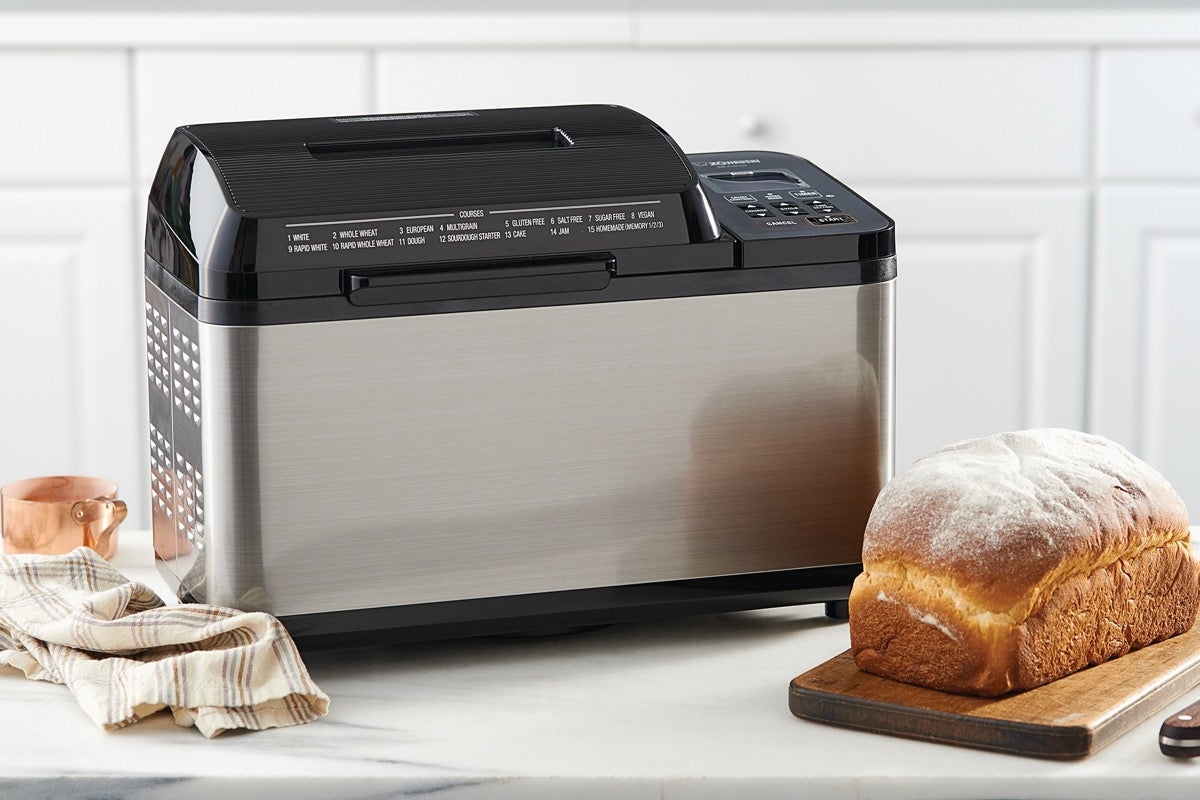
x=1003, y=563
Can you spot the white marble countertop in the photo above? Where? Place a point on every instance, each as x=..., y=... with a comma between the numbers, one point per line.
x=692, y=708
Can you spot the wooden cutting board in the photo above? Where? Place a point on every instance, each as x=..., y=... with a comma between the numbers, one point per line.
x=1069, y=718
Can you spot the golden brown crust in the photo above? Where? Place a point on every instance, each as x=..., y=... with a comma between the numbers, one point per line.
x=899, y=634
x=909, y=636
x=1085, y=555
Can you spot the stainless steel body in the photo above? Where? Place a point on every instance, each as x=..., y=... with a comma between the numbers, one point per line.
x=390, y=461
x=508, y=370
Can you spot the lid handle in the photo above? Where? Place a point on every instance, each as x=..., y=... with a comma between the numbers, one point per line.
x=474, y=142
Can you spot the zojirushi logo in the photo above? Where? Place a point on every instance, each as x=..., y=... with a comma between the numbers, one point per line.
x=729, y=163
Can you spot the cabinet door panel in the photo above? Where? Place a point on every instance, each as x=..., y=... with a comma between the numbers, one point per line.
x=66, y=116
x=73, y=358
x=1149, y=113
x=991, y=309
x=1146, y=356
x=863, y=114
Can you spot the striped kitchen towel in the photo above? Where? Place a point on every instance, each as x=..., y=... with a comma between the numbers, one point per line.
x=124, y=654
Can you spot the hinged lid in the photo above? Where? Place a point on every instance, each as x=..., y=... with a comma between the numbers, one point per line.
x=337, y=165
x=283, y=208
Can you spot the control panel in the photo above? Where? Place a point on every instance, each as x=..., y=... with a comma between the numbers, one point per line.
x=775, y=192
x=763, y=198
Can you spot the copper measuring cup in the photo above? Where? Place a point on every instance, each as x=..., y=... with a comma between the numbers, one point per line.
x=57, y=514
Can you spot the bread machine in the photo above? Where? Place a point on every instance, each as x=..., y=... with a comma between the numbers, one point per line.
x=509, y=370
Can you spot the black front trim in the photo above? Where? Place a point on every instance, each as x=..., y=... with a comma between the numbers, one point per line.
x=619, y=289
x=553, y=612
x=438, y=282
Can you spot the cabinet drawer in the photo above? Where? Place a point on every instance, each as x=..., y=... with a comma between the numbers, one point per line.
x=66, y=116
x=1150, y=113
x=864, y=114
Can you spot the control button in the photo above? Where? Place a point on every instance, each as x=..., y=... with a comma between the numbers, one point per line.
x=741, y=198
x=790, y=209
x=806, y=193
x=795, y=212
x=755, y=210
x=822, y=206
x=832, y=219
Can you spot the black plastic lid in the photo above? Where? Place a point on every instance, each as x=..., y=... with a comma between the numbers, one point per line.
x=282, y=208
x=339, y=165
x=335, y=218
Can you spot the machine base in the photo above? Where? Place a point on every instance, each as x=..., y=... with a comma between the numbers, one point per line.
x=579, y=609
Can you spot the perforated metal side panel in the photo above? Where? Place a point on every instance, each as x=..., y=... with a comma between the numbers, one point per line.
x=158, y=366
x=176, y=472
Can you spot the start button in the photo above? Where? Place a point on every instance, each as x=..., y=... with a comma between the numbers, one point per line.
x=832, y=219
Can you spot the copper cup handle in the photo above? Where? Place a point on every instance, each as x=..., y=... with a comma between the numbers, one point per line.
x=99, y=513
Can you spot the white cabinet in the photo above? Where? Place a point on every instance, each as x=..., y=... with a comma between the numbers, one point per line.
x=1145, y=345
x=991, y=311
x=74, y=379
x=904, y=115
x=69, y=328
x=65, y=116
x=1146, y=342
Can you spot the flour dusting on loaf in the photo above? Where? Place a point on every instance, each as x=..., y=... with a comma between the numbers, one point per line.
x=1005, y=562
